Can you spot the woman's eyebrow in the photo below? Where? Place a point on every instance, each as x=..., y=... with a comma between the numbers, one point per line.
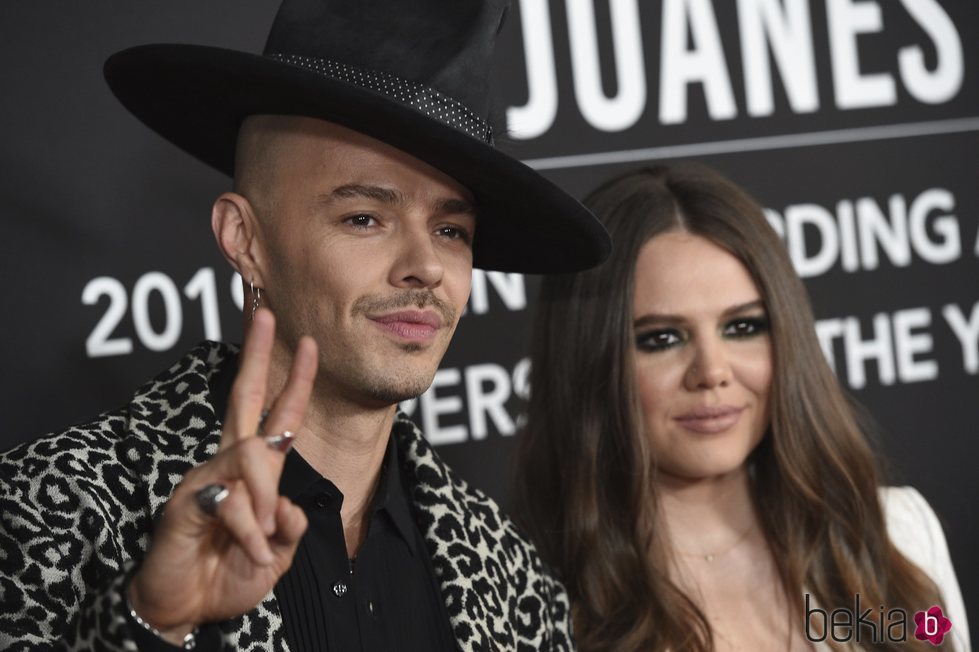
x=744, y=307
x=657, y=318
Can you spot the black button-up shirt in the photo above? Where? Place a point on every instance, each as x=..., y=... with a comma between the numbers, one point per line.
x=387, y=599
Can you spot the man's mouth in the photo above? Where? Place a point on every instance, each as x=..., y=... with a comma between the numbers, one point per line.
x=411, y=325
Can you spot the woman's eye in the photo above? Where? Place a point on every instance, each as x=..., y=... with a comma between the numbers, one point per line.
x=361, y=221
x=746, y=327
x=657, y=340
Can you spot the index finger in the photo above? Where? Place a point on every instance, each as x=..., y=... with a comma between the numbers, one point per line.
x=290, y=407
x=286, y=415
x=248, y=392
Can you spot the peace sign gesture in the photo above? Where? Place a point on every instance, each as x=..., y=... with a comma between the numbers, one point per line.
x=210, y=559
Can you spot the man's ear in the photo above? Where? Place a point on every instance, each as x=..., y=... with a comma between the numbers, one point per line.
x=236, y=228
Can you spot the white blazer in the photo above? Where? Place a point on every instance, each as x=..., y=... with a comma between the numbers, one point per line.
x=914, y=528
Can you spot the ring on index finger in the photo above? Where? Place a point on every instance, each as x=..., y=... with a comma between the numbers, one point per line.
x=281, y=442
x=209, y=497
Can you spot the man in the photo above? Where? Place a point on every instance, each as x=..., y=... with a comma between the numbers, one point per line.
x=366, y=188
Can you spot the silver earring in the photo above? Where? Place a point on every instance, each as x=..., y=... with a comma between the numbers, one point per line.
x=256, y=297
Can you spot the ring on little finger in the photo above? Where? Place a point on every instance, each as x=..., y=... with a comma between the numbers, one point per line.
x=281, y=442
x=209, y=497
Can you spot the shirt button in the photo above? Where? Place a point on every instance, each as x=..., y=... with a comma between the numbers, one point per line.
x=323, y=500
x=370, y=607
x=339, y=589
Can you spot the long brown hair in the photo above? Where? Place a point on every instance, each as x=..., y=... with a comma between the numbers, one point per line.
x=585, y=486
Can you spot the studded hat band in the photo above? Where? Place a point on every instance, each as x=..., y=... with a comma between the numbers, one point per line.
x=426, y=100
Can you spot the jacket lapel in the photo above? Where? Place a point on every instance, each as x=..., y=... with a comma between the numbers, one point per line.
x=456, y=541
x=172, y=424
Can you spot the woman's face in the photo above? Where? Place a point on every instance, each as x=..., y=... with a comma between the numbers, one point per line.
x=703, y=356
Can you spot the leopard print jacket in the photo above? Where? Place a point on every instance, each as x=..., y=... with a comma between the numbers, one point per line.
x=77, y=507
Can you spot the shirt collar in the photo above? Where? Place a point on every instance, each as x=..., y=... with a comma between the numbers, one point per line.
x=298, y=476
x=392, y=495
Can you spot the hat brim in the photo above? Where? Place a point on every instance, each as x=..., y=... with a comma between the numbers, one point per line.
x=196, y=97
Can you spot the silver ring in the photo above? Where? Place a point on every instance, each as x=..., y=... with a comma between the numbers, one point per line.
x=260, y=431
x=209, y=497
x=281, y=442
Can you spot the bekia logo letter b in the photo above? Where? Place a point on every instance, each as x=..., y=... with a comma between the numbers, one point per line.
x=931, y=625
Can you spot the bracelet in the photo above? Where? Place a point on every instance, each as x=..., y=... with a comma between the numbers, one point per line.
x=190, y=640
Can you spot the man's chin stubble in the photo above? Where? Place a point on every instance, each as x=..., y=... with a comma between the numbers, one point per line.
x=396, y=387
x=390, y=393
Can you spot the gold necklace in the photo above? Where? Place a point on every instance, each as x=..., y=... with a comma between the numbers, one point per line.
x=709, y=557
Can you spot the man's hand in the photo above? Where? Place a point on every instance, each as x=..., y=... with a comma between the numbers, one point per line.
x=202, y=568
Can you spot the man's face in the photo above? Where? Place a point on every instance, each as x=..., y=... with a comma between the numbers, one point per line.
x=369, y=250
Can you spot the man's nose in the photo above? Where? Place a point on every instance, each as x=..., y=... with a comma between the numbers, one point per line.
x=418, y=263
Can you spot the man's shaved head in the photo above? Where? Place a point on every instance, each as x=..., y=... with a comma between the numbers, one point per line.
x=257, y=157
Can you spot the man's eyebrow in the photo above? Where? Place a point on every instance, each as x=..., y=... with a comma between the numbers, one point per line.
x=653, y=318
x=364, y=191
x=446, y=206
x=454, y=206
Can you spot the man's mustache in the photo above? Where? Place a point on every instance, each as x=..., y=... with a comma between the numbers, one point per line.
x=371, y=305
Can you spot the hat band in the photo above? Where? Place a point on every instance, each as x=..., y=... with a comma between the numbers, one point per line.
x=423, y=99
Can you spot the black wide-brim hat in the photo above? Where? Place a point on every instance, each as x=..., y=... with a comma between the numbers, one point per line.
x=411, y=73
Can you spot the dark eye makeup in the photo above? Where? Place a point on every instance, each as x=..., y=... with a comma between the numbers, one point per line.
x=658, y=339
x=738, y=328
x=746, y=326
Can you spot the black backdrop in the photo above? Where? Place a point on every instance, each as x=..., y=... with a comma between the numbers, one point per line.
x=856, y=122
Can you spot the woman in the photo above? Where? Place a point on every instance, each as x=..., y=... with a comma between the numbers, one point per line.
x=690, y=464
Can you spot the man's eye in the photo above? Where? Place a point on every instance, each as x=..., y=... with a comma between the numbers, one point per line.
x=453, y=233
x=746, y=327
x=362, y=221
x=658, y=340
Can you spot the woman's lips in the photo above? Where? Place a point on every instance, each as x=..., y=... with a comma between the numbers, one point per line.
x=411, y=325
x=710, y=420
